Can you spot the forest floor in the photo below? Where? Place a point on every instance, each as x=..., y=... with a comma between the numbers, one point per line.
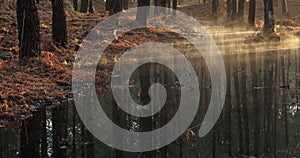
x=47, y=79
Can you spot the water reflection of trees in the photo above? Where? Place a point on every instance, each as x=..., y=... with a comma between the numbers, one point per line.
x=260, y=116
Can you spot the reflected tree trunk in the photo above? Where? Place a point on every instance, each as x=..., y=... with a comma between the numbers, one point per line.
x=30, y=137
x=214, y=144
x=284, y=102
x=256, y=111
x=245, y=105
x=238, y=105
x=276, y=101
x=117, y=118
x=44, y=136
x=74, y=124
x=60, y=127
x=228, y=108
x=268, y=84
x=146, y=122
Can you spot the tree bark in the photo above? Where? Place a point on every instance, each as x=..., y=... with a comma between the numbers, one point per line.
x=91, y=9
x=84, y=6
x=215, y=7
x=113, y=6
x=241, y=10
x=284, y=7
x=269, y=22
x=75, y=5
x=59, y=25
x=142, y=13
x=251, y=16
x=229, y=8
x=28, y=30
x=234, y=10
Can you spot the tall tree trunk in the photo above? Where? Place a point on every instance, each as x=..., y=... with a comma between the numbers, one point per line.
x=163, y=3
x=28, y=30
x=113, y=6
x=215, y=7
x=168, y=3
x=174, y=5
x=84, y=6
x=91, y=9
x=125, y=4
x=234, y=10
x=75, y=5
x=251, y=14
x=142, y=13
x=229, y=8
x=284, y=7
x=241, y=10
x=59, y=25
x=269, y=22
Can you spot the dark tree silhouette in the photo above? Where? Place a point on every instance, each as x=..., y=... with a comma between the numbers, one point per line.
x=251, y=14
x=215, y=7
x=269, y=23
x=91, y=9
x=241, y=10
x=28, y=29
x=84, y=6
x=59, y=25
x=113, y=6
x=75, y=5
x=234, y=10
x=256, y=104
x=142, y=13
x=228, y=109
x=229, y=8
x=30, y=133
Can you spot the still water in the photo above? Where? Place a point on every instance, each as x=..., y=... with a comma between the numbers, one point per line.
x=260, y=118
